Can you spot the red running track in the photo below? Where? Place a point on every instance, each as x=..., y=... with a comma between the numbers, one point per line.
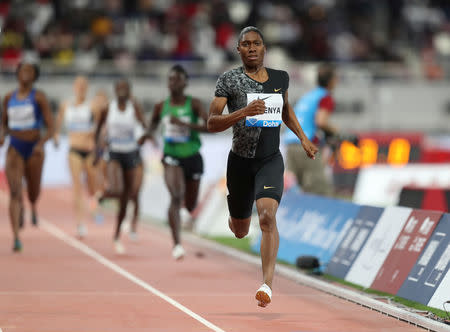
x=61, y=284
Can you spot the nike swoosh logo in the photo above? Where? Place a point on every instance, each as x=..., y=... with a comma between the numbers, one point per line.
x=264, y=98
x=276, y=90
x=268, y=187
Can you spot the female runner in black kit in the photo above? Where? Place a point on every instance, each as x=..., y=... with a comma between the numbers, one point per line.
x=255, y=165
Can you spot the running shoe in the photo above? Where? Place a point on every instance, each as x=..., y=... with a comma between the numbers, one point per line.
x=17, y=246
x=118, y=247
x=82, y=230
x=263, y=295
x=95, y=210
x=178, y=252
x=34, y=219
x=99, y=218
x=133, y=236
x=125, y=227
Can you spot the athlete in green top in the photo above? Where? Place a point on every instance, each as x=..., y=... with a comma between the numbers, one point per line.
x=183, y=164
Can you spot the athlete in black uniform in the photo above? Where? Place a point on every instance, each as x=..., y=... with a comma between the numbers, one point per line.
x=257, y=100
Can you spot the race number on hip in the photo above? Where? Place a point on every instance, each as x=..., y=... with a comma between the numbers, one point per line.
x=272, y=115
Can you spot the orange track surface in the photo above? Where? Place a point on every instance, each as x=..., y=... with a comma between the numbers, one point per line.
x=52, y=286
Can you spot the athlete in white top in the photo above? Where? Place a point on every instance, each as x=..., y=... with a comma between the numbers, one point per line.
x=123, y=118
x=78, y=116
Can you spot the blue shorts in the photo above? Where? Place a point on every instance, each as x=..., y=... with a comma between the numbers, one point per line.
x=25, y=148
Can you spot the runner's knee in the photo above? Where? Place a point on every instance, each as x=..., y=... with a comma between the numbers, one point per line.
x=190, y=205
x=34, y=195
x=176, y=199
x=15, y=193
x=240, y=233
x=266, y=220
x=240, y=228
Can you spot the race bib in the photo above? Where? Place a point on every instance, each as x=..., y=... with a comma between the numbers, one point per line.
x=174, y=133
x=272, y=115
x=121, y=137
x=79, y=122
x=21, y=116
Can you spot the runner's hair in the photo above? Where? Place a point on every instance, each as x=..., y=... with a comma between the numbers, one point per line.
x=247, y=30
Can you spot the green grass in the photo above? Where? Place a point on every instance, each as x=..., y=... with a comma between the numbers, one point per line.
x=245, y=246
x=240, y=244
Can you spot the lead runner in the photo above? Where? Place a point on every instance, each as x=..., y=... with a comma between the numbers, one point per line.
x=257, y=100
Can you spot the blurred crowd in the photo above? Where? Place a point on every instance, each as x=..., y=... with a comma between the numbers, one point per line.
x=83, y=32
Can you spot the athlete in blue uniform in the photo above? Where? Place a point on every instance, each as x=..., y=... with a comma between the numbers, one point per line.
x=26, y=110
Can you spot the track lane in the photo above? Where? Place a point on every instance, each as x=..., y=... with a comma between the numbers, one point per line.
x=217, y=287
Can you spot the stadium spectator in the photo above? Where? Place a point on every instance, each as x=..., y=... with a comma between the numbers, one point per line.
x=346, y=30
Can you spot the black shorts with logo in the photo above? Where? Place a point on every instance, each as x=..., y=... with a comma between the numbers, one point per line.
x=251, y=178
x=126, y=160
x=192, y=166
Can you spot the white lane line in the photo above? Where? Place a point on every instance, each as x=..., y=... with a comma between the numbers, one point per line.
x=53, y=230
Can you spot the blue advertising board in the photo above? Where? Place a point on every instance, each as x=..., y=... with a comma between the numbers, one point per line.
x=431, y=267
x=311, y=225
x=353, y=241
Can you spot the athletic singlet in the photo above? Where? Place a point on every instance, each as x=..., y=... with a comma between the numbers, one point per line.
x=254, y=137
x=79, y=118
x=305, y=111
x=179, y=141
x=121, y=127
x=24, y=114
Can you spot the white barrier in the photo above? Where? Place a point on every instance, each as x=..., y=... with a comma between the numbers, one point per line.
x=442, y=293
x=380, y=185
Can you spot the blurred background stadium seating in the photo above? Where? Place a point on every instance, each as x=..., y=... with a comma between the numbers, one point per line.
x=393, y=58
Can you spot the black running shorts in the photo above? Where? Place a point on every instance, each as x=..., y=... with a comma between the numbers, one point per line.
x=127, y=160
x=251, y=178
x=192, y=166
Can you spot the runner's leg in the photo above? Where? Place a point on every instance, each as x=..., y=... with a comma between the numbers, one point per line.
x=14, y=169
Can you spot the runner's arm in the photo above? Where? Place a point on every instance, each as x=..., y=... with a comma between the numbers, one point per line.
x=219, y=122
x=100, y=123
x=292, y=123
x=140, y=117
x=4, y=119
x=156, y=118
x=59, y=121
x=139, y=113
x=200, y=112
x=42, y=100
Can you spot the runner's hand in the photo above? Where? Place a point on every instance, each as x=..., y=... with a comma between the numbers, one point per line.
x=142, y=139
x=38, y=148
x=2, y=140
x=256, y=107
x=174, y=120
x=149, y=135
x=310, y=148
